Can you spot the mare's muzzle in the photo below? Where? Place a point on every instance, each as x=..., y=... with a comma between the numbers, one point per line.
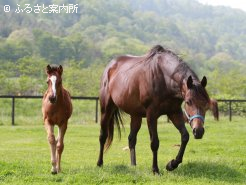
x=198, y=132
x=197, y=127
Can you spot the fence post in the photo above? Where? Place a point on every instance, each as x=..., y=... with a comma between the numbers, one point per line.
x=96, y=116
x=13, y=111
x=230, y=111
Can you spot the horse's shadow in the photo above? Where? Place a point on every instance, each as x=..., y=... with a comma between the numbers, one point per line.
x=123, y=169
x=210, y=170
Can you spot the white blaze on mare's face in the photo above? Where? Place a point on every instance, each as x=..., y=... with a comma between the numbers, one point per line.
x=53, y=82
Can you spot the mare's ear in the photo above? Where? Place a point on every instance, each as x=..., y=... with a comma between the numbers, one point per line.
x=204, y=81
x=48, y=69
x=189, y=82
x=213, y=107
x=60, y=69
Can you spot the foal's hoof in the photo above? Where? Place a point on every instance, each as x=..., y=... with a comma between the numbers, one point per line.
x=54, y=171
x=172, y=165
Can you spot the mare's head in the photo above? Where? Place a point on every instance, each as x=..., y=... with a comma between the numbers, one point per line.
x=197, y=102
x=54, y=81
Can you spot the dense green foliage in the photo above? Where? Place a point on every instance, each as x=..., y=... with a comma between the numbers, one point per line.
x=25, y=156
x=212, y=40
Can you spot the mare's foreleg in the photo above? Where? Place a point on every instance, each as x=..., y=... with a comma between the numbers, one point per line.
x=179, y=123
x=52, y=142
x=60, y=144
x=132, y=138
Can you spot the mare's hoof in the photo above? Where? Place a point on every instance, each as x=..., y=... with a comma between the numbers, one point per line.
x=171, y=165
x=156, y=171
x=99, y=163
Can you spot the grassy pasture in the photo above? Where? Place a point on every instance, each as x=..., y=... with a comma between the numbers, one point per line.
x=219, y=158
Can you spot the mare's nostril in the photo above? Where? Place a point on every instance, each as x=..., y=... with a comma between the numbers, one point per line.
x=194, y=131
x=198, y=133
x=203, y=130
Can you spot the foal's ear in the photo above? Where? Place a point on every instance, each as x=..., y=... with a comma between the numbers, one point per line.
x=189, y=82
x=204, y=81
x=60, y=69
x=48, y=69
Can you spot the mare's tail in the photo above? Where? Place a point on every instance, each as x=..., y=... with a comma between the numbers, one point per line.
x=116, y=119
x=213, y=106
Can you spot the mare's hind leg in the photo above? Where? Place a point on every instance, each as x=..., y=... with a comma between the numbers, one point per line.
x=132, y=138
x=179, y=123
x=152, y=126
x=103, y=135
x=52, y=142
x=60, y=145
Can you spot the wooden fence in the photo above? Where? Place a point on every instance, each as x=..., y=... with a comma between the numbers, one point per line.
x=230, y=102
x=230, y=105
x=40, y=97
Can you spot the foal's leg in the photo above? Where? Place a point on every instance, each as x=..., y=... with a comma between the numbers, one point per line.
x=132, y=138
x=152, y=125
x=52, y=141
x=178, y=121
x=60, y=145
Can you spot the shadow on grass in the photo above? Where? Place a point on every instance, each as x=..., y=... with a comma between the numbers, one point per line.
x=213, y=171
x=122, y=169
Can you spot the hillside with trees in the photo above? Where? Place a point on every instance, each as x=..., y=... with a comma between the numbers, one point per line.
x=211, y=39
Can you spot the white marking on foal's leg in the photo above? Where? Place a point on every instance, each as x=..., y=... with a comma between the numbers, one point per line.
x=53, y=79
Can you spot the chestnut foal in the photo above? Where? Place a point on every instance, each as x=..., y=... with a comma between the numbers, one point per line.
x=56, y=109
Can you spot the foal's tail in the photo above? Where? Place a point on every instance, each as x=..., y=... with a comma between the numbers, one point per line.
x=115, y=118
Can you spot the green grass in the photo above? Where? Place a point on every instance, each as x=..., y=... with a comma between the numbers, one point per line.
x=219, y=158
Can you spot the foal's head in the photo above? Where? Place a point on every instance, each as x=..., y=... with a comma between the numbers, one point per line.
x=54, y=81
x=197, y=102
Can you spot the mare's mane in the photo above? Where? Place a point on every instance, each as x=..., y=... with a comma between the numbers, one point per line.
x=182, y=69
x=158, y=49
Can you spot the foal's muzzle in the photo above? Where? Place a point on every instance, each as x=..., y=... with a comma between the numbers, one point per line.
x=52, y=99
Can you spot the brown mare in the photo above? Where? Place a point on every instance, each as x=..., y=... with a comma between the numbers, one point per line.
x=150, y=86
x=57, y=109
